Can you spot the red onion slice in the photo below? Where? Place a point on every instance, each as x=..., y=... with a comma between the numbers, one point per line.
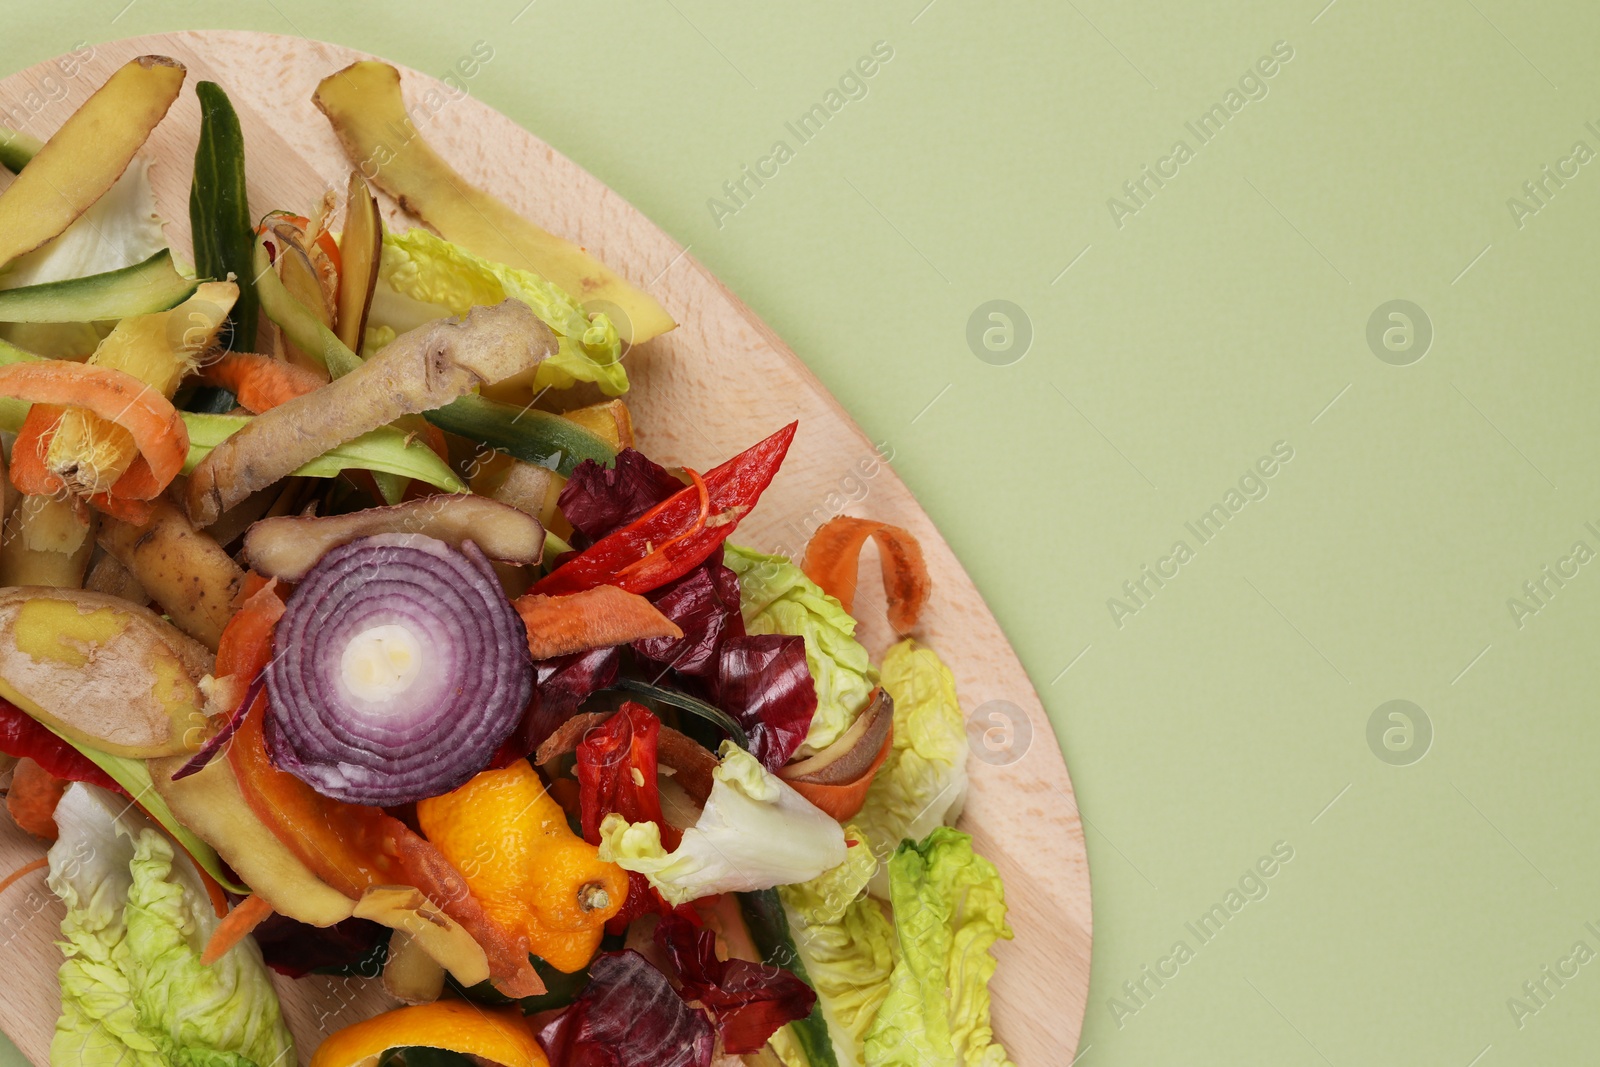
x=399, y=667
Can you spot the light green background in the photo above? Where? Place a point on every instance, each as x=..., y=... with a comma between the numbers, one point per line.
x=1221, y=318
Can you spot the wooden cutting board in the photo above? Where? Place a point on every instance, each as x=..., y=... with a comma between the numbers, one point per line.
x=719, y=382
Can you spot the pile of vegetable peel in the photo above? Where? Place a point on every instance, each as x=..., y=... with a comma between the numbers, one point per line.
x=341, y=630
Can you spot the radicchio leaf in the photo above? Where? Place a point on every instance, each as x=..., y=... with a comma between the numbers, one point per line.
x=560, y=685
x=628, y=1016
x=705, y=605
x=566, y=681
x=599, y=499
x=763, y=681
x=749, y=1000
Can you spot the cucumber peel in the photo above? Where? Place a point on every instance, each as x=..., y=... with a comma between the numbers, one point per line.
x=525, y=433
x=142, y=289
x=296, y=321
x=219, y=210
x=12, y=410
x=209, y=400
x=769, y=929
x=385, y=450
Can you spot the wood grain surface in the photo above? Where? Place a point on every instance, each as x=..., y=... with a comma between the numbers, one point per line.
x=719, y=382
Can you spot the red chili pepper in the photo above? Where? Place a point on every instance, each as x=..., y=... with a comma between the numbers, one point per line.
x=617, y=773
x=23, y=735
x=676, y=535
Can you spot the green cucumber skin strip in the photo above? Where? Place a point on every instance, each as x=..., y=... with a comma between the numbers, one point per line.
x=142, y=289
x=219, y=209
x=12, y=410
x=769, y=929
x=10, y=353
x=524, y=433
x=211, y=400
x=391, y=486
x=309, y=335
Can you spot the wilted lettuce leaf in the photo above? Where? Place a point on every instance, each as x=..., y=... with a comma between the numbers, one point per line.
x=423, y=277
x=949, y=909
x=847, y=946
x=133, y=989
x=924, y=781
x=755, y=832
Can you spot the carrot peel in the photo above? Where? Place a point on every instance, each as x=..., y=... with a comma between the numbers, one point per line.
x=33, y=797
x=22, y=872
x=248, y=914
x=833, y=560
x=157, y=429
x=260, y=382
x=595, y=618
x=28, y=471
